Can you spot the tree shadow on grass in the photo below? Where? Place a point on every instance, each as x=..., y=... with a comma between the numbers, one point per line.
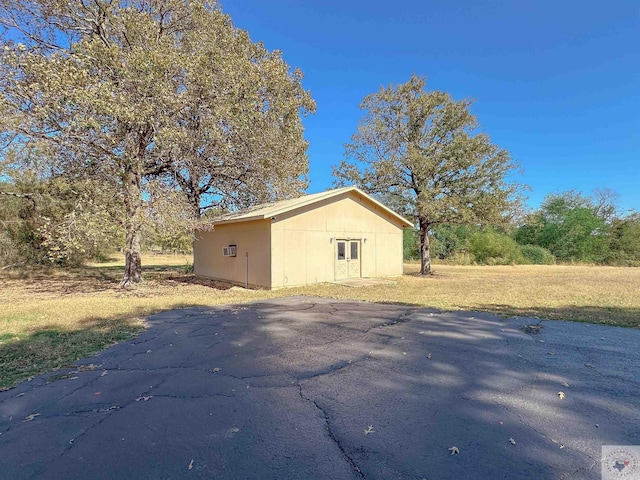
x=42, y=284
x=191, y=279
x=92, y=280
x=49, y=349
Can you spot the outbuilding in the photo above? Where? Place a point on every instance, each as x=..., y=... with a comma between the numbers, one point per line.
x=324, y=237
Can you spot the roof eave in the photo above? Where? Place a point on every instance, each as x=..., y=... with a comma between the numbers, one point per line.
x=237, y=220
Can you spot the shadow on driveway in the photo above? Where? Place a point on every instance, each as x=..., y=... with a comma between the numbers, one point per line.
x=301, y=388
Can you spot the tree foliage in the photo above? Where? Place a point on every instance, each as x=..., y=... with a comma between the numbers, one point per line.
x=624, y=241
x=129, y=92
x=580, y=228
x=423, y=148
x=169, y=219
x=568, y=227
x=571, y=226
x=47, y=218
x=449, y=240
x=467, y=244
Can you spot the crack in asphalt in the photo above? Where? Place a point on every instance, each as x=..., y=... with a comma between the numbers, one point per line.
x=109, y=408
x=177, y=370
x=288, y=309
x=39, y=472
x=336, y=367
x=579, y=470
x=111, y=412
x=403, y=317
x=193, y=397
x=595, y=369
x=330, y=432
x=547, y=437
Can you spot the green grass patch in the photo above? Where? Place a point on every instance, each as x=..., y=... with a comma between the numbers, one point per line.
x=45, y=350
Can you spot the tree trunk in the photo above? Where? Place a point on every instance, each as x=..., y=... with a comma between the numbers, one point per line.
x=194, y=200
x=133, y=261
x=425, y=254
x=132, y=251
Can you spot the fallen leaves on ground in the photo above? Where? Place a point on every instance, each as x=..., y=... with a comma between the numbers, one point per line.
x=369, y=430
x=561, y=395
x=454, y=450
x=28, y=418
x=87, y=368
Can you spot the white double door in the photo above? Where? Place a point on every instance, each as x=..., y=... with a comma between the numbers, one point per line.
x=347, y=258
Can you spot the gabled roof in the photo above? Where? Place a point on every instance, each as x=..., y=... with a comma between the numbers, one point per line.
x=269, y=210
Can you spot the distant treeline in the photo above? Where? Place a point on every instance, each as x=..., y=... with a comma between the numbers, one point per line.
x=567, y=228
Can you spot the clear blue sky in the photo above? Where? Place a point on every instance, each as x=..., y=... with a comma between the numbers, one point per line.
x=557, y=83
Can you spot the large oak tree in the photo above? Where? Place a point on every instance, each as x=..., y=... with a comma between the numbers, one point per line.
x=422, y=151
x=134, y=91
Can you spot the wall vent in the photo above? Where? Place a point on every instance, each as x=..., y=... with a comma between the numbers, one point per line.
x=229, y=251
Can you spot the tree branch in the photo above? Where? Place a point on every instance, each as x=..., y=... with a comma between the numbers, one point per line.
x=19, y=195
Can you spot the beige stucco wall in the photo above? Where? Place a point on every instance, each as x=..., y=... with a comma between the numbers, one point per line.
x=302, y=251
x=252, y=238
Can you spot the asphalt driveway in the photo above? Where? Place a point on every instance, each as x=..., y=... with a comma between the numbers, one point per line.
x=308, y=388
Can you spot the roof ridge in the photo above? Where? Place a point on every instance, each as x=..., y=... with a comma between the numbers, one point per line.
x=260, y=206
x=272, y=209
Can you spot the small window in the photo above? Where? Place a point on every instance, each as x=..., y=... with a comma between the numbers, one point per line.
x=341, y=250
x=354, y=250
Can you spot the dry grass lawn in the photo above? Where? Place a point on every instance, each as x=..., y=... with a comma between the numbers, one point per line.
x=49, y=319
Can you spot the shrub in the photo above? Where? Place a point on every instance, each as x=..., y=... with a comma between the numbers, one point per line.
x=459, y=258
x=411, y=244
x=448, y=240
x=621, y=259
x=537, y=255
x=493, y=248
